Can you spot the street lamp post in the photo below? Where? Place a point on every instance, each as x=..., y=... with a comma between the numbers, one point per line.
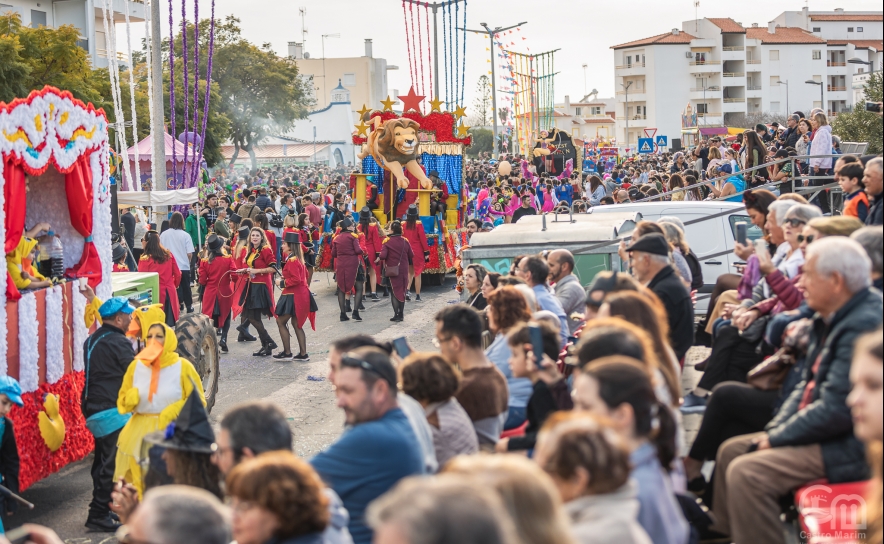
x=435, y=7
x=705, y=104
x=786, y=83
x=584, y=80
x=626, y=111
x=324, y=36
x=820, y=83
x=491, y=32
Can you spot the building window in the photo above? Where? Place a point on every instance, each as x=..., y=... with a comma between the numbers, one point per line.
x=775, y=107
x=349, y=80
x=850, y=29
x=817, y=55
x=774, y=54
x=774, y=81
x=859, y=29
x=578, y=111
x=702, y=108
x=643, y=57
x=817, y=29
x=596, y=110
x=38, y=18
x=629, y=61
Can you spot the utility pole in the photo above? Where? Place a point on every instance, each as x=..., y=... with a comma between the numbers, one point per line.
x=626, y=112
x=435, y=7
x=324, y=36
x=491, y=33
x=158, y=127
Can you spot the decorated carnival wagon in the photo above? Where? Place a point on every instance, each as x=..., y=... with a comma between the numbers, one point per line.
x=442, y=146
x=54, y=169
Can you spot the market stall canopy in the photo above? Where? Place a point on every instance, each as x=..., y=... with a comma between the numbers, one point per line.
x=712, y=131
x=145, y=148
x=126, y=199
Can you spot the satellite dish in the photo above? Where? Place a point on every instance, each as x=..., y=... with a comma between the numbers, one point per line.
x=306, y=55
x=594, y=91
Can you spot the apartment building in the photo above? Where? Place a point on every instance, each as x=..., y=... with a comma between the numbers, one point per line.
x=85, y=15
x=589, y=118
x=725, y=70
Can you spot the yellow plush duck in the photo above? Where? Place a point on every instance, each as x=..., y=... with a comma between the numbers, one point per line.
x=154, y=389
x=51, y=424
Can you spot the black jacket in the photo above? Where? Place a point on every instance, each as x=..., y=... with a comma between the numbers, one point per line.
x=263, y=202
x=9, y=463
x=876, y=211
x=826, y=420
x=791, y=137
x=107, y=355
x=679, y=309
x=127, y=220
x=696, y=270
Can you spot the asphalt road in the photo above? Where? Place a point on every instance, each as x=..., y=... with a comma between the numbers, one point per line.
x=62, y=499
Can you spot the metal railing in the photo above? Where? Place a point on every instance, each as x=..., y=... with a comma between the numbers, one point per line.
x=835, y=63
x=753, y=87
x=836, y=88
x=733, y=48
x=734, y=100
x=707, y=89
x=704, y=62
x=753, y=61
x=734, y=74
x=710, y=114
x=633, y=65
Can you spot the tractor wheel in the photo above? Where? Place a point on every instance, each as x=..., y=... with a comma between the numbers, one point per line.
x=198, y=343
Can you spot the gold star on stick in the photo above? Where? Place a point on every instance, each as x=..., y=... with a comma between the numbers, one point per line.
x=462, y=130
x=460, y=112
x=388, y=104
x=436, y=104
x=365, y=109
x=362, y=128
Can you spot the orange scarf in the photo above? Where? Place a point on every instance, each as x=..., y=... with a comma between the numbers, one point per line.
x=152, y=355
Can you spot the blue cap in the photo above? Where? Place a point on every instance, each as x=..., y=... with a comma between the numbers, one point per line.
x=10, y=387
x=115, y=305
x=726, y=168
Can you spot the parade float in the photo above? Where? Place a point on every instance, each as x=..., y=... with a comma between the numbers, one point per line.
x=441, y=143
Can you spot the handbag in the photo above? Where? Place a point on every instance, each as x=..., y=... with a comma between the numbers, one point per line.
x=770, y=373
x=391, y=271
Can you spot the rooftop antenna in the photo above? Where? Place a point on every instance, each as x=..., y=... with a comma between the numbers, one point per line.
x=303, y=12
x=696, y=16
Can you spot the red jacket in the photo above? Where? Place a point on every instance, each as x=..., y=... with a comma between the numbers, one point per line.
x=787, y=295
x=170, y=277
x=216, y=276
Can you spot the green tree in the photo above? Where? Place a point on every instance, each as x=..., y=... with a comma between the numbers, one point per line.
x=31, y=58
x=260, y=93
x=482, y=105
x=860, y=125
x=482, y=138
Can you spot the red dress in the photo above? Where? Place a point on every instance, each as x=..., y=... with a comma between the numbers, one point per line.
x=294, y=273
x=371, y=244
x=418, y=240
x=347, y=254
x=265, y=258
x=170, y=277
x=215, y=277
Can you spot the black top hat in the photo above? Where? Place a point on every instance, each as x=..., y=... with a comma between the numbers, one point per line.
x=118, y=252
x=291, y=238
x=364, y=213
x=433, y=174
x=191, y=431
x=235, y=218
x=412, y=211
x=346, y=223
x=214, y=242
x=243, y=232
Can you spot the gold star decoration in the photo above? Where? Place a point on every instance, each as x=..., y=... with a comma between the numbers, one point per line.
x=365, y=109
x=362, y=128
x=462, y=130
x=460, y=112
x=388, y=104
x=436, y=104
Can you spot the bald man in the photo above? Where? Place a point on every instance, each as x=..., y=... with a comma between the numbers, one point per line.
x=566, y=285
x=621, y=196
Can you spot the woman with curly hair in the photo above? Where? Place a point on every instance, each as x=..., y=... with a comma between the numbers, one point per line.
x=256, y=289
x=156, y=258
x=277, y=498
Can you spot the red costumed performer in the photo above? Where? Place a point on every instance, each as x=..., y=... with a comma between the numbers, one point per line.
x=349, y=269
x=395, y=255
x=370, y=241
x=295, y=302
x=215, y=272
x=255, y=288
x=413, y=231
x=156, y=258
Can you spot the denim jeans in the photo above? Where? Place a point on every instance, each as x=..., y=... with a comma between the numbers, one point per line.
x=517, y=415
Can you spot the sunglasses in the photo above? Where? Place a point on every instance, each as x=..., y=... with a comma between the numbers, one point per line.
x=795, y=222
x=802, y=238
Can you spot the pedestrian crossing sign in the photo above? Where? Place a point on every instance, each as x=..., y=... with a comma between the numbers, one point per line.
x=661, y=141
x=645, y=145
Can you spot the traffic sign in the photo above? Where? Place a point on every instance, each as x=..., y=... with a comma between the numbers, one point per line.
x=649, y=132
x=645, y=145
x=662, y=141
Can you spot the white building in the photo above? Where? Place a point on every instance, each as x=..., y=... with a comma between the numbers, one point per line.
x=725, y=70
x=85, y=15
x=589, y=118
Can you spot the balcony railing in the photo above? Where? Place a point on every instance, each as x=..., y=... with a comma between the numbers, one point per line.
x=703, y=62
x=753, y=61
x=734, y=100
x=121, y=56
x=631, y=91
x=833, y=114
x=836, y=88
x=633, y=65
x=708, y=89
x=753, y=87
x=734, y=74
x=710, y=114
x=835, y=63
x=733, y=48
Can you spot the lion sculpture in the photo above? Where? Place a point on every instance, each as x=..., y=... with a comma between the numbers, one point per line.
x=394, y=146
